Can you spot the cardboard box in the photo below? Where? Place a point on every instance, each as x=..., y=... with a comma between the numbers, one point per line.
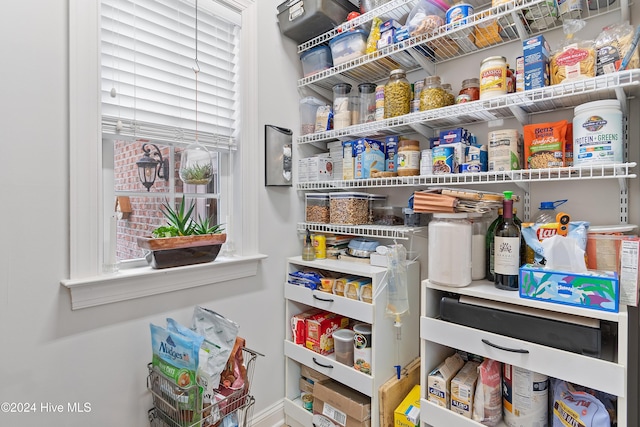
x=320, y=328
x=536, y=54
x=407, y=414
x=439, y=380
x=312, y=374
x=597, y=290
x=369, y=156
x=299, y=325
x=463, y=387
x=348, y=160
x=341, y=405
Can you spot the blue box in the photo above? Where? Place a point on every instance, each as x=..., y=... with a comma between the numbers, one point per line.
x=390, y=24
x=454, y=135
x=369, y=155
x=596, y=290
x=536, y=62
x=390, y=153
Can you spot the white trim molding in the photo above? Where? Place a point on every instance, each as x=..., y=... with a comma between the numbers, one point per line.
x=273, y=416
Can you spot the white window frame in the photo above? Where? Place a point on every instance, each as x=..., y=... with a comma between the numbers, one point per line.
x=88, y=287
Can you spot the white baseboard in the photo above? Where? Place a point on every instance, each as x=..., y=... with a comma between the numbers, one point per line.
x=273, y=416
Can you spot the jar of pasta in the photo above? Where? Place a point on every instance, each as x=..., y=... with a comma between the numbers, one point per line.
x=432, y=95
x=397, y=95
x=450, y=97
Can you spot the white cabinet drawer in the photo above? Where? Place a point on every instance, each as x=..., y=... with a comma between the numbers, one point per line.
x=353, y=309
x=435, y=415
x=587, y=371
x=327, y=365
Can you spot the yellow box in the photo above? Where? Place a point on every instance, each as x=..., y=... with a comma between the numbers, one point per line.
x=407, y=414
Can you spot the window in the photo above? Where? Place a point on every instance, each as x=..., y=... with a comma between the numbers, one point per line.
x=107, y=133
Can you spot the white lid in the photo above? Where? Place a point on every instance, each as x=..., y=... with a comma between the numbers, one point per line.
x=349, y=195
x=605, y=103
x=620, y=228
x=451, y=215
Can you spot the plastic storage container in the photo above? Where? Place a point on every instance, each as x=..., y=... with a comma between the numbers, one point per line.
x=450, y=242
x=349, y=208
x=341, y=109
x=343, y=346
x=347, y=46
x=304, y=20
x=367, y=102
x=376, y=201
x=317, y=207
x=315, y=60
x=308, y=110
x=388, y=215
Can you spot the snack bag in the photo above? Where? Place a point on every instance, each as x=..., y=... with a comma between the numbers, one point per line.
x=534, y=234
x=425, y=18
x=487, y=403
x=577, y=408
x=575, y=59
x=374, y=35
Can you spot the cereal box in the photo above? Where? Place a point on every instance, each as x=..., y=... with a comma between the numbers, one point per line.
x=536, y=62
x=320, y=329
x=369, y=157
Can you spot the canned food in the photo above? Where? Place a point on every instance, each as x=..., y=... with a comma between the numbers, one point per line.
x=320, y=245
x=456, y=17
x=493, y=77
x=461, y=99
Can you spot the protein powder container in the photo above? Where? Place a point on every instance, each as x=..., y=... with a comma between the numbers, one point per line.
x=598, y=133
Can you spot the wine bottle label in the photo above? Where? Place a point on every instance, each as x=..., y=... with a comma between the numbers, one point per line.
x=506, y=253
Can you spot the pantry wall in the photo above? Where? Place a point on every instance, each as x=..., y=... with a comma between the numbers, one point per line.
x=99, y=355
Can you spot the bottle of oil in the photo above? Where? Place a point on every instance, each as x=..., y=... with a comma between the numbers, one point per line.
x=308, y=251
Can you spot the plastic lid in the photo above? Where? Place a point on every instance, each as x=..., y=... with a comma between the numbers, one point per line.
x=508, y=195
x=347, y=34
x=362, y=328
x=349, y=195
x=474, y=82
x=606, y=103
x=620, y=228
x=317, y=195
x=367, y=87
x=312, y=100
x=551, y=205
x=377, y=197
x=451, y=215
x=316, y=49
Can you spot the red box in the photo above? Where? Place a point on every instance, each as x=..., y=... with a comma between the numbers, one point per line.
x=320, y=329
x=299, y=326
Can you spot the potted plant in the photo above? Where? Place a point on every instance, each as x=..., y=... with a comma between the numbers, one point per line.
x=197, y=174
x=182, y=241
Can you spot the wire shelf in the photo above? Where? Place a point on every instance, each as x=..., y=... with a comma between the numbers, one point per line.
x=619, y=170
x=517, y=20
x=384, y=232
x=176, y=406
x=550, y=98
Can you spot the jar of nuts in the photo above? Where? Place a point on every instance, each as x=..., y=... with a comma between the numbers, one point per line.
x=432, y=95
x=397, y=94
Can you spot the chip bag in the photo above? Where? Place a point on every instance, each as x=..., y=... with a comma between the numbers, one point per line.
x=534, y=234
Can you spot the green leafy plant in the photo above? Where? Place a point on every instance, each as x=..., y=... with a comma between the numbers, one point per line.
x=197, y=174
x=180, y=223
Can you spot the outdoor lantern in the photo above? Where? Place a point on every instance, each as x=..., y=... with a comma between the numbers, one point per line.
x=149, y=167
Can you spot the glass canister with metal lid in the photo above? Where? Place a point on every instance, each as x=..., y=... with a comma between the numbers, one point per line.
x=432, y=95
x=397, y=94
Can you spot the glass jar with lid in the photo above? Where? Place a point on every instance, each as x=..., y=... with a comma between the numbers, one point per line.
x=451, y=99
x=471, y=87
x=367, y=102
x=449, y=260
x=397, y=94
x=432, y=95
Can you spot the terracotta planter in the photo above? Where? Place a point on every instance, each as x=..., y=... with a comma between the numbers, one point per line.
x=168, y=252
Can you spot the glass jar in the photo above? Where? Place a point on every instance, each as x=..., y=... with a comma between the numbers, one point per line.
x=493, y=77
x=341, y=113
x=450, y=240
x=451, y=99
x=471, y=87
x=408, y=158
x=367, y=102
x=397, y=94
x=432, y=95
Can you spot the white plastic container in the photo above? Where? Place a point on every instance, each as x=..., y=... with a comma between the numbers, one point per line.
x=308, y=111
x=450, y=242
x=598, y=133
x=347, y=46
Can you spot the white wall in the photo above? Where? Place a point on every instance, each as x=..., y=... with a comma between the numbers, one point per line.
x=99, y=355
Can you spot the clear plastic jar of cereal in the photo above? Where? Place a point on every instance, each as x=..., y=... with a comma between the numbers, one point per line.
x=397, y=94
x=432, y=95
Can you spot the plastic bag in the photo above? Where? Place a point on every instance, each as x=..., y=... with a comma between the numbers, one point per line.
x=426, y=17
x=612, y=44
x=575, y=59
x=534, y=234
x=573, y=407
x=374, y=35
x=397, y=294
x=487, y=403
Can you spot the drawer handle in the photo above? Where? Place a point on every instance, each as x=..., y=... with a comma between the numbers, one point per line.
x=322, y=299
x=513, y=350
x=322, y=364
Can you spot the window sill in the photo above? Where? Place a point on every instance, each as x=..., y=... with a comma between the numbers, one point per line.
x=142, y=282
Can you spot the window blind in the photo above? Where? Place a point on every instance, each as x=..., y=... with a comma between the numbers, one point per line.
x=148, y=57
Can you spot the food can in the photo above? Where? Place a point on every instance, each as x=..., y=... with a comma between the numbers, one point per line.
x=493, y=77
x=524, y=397
x=598, y=136
x=520, y=74
x=456, y=17
x=461, y=99
x=444, y=160
x=320, y=245
x=362, y=348
x=505, y=150
x=417, y=88
x=415, y=106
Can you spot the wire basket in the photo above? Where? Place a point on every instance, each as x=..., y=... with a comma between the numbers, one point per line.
x=176, y=406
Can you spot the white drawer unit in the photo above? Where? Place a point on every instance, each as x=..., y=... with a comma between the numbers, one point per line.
x=388, y=348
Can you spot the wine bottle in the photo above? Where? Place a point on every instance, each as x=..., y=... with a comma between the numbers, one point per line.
x=506, y=248
x=489, y=245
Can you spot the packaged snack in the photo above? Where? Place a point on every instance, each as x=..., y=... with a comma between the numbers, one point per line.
x=575, y=59
x=612, y=44
x=544, y=145
x=487, y=403
x=535, y=233
x=573, y=407
x=374, y=35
